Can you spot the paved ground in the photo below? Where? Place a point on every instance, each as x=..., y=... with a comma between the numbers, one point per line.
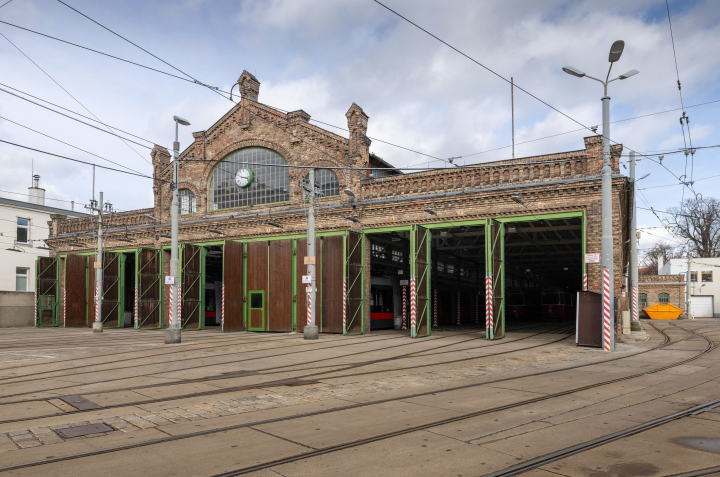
x=122, y=403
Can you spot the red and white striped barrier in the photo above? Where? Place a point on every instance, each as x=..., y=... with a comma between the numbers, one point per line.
x=64, y=305
x=137, y=307
x=585, y=286
x=635, y=310
x=413, y=307
x=404, y=311
x=458, y=310
x=435, y=323
x=344, y=305
x=97, y=304
x=309, y=307
x=222, y=308
x=607, y=315
x=36, y=314
x=489, y=318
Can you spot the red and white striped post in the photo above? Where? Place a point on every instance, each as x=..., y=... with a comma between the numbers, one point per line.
x=36, y=314
x=404, y=309
x=435, y=323
x=607, y=315
x=413, y=307
x=171, y=306
x=64, y=305
x=344, y=305
x=97, y=305
x=585, y=283
x=136, y=308
x=489, y=318
x=635, y=313
x=309, y=306
x=458, y=322
x=179, y=305
x=222, y=309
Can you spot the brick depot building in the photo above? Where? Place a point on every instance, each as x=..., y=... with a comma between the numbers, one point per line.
x=523, y=224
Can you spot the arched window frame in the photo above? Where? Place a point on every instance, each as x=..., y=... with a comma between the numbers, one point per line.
x=327, y=181
x=188, y=201
x=261, y=161
x=663, y=298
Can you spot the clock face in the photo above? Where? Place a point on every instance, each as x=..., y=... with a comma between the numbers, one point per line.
x=244, y=177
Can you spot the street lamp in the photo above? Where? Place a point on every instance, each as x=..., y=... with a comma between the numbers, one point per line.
x=172, y=333
x=607, y=239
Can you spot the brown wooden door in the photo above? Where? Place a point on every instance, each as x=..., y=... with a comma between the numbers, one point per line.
x=332, y=270
x=233, y=292
x=300, y=287
x=354, y=283
x=280, y=296
x=193, y=287
x=149, y=284
x=111, y=290
x=257, y=278
x=76, y=290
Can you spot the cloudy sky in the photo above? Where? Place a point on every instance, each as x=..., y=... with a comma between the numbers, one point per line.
x=322, y=55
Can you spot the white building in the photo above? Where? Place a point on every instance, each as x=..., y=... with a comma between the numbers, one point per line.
x=704, y=283
x=23, y=229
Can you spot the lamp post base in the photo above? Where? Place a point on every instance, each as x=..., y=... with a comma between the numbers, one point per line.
x=310, y=332
x=172, y=335
x=635, y=326
x=97, y=327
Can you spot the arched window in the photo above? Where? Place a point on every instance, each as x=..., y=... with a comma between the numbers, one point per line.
x=326, y=181
x=265, y=184
x=642, y=300
x=187, y=201
x=663, y=298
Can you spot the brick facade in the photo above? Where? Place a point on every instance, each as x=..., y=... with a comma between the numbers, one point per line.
x=673, y=285
x=563, y=182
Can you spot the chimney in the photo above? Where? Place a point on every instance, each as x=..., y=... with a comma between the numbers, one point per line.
x=36, y=195
x=661, y=262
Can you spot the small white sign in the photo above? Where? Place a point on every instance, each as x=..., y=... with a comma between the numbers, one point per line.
x=308, y=289
x=404, y=283
x=306, y=279
x=169, y=280
x=592, y=258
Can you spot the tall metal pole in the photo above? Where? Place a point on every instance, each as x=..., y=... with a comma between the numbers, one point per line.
x=512, y=108
x=310, y=332
x=634, y=312
x=606, y=243
x=172, y=334
x=97, y=324
x=687, y=281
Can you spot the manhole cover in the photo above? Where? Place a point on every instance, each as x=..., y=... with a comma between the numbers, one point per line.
x=79, y=402
x=78, y=431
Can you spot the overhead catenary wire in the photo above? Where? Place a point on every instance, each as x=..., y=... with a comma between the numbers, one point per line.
x=109, y=130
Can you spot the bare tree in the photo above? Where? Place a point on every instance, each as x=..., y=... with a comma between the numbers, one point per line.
x=698, y=221
x=659, y=249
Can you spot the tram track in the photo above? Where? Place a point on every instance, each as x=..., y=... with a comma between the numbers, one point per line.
x=327, y=450
x=266, y=384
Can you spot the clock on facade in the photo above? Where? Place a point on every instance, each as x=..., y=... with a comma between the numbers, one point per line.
x=244, y=177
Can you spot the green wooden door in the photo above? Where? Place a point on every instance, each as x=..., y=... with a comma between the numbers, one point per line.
x=46, y=291
x=148, y=289
x=192, y=294
x=113, y=284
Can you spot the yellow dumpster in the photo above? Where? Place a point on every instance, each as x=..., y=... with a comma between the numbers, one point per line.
x=663, y=311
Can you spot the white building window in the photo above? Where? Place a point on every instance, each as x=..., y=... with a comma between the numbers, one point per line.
x=187, y=201
x=23, y=231
x=21, y=279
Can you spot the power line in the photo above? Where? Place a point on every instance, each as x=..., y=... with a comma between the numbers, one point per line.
x=71, y=111
x=5, y=3
x=109, y=130
x=68, y=144
x=70, y=117
x=78, y=160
